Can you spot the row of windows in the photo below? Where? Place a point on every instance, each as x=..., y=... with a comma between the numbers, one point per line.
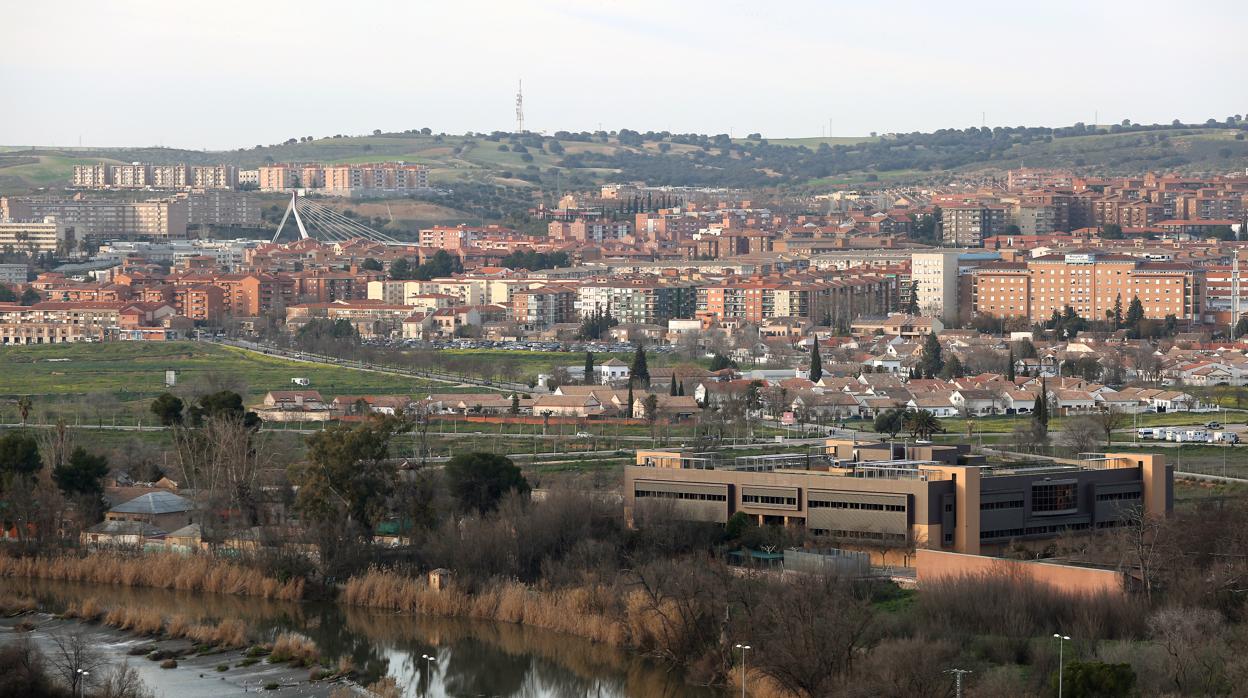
x=696, y=496
x=1112, y=496
x=759, y=499
x=1032, y=531
x=862, y=506
x=1012, y=504
x=862, y=535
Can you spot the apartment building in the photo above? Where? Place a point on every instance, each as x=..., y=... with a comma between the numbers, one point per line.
x=276, y=178
x=934, y=276
x=104, y=218
x=1093, y=283
x=249, y=179
x=642, y=300
x=835, y=300
x=204, y=303
x=967, y=224
x=57, y=322
x=585, y=230
x=92, y=176
x=377, y=179
x=220, y=207
x=169, y=176
x=882, y=496
x=136, y=175
x=445, y=237
x=542, y=307
x=1035, y=219
x=13, y=273
x=46, y=234
x=214, y=177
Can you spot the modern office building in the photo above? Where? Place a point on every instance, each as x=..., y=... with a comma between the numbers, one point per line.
x=45, y=234
x=893, y=495
x=103, y=218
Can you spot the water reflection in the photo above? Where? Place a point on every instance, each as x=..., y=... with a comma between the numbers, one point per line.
x=471, y=658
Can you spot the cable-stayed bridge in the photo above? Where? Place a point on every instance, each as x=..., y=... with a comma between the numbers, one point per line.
x=320, y=222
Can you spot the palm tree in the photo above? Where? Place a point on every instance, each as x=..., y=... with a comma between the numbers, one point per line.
x=922, y=424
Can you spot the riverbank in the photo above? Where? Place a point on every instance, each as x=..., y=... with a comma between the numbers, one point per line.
x=196, y=674
x=471, y=657
x=162, y=571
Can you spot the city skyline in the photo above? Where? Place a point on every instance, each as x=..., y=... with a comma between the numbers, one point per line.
x=719, y=69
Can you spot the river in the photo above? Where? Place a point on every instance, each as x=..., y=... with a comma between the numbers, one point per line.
x=471, y=658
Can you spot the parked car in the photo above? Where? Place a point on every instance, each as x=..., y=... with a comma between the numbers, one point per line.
x=1213, y=425
x=584, y=435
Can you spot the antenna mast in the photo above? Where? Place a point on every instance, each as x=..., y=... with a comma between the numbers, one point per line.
x=520, y=107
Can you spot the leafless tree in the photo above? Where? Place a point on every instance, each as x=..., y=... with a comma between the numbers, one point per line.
x=1080, y=434
x=221, y=463
x=1109, y=421
x=76, y=661
x=123, y=681
x=1196, y=650
x=813, y=631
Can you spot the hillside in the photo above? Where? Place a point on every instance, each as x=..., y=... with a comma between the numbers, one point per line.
x=569, y=160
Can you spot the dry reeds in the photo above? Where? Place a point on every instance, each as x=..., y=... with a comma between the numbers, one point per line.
x=201, y=573
x=295, y=648
x=591, y=612
x=88, y=610
x=141, y=621
x=15, y=605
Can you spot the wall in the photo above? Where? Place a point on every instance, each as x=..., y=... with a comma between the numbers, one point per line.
x=936, y=565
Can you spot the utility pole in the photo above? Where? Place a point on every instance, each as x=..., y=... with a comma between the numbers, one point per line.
x=957, y=679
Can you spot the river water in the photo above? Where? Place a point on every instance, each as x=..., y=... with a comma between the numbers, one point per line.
x=472, y=659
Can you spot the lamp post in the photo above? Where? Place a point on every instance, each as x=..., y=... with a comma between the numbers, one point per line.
x=743, y=649
x=82, y=681
x=1061, y=645
x=429, y=660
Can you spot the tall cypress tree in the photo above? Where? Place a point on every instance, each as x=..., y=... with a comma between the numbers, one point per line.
x=681, y=389
x=672, y=390
x=816, y=363
x=1009, y=366
x=589, y=368
x=1041, y=413
x=639, y=371
x=630, y=398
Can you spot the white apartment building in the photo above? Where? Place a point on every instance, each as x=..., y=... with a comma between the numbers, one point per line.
x=47, y=234
x=935, y=276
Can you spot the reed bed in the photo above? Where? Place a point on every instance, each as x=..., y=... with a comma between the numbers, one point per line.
x=88, y=610
x=295, y=648
x=142, y=621
x=198, y=573
x=594, y=612
x=16, y=604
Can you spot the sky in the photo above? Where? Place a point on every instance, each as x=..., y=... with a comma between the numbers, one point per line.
x=228, y=73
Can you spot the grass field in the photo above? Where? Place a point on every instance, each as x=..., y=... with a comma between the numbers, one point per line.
x=134, y=372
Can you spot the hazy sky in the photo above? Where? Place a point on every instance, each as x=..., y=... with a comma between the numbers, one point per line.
x=227, y=73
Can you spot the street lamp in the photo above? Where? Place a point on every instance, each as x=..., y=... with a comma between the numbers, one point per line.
x=82, y=682
x=428, y=677
x=1061, y=645
x=743, y=649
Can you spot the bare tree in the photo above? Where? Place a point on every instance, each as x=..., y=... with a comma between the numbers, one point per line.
x=1109, y=421
x=123, y=681
x=813, y=632
x=221, y=463
x=76, y=661
x=1080, y=435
